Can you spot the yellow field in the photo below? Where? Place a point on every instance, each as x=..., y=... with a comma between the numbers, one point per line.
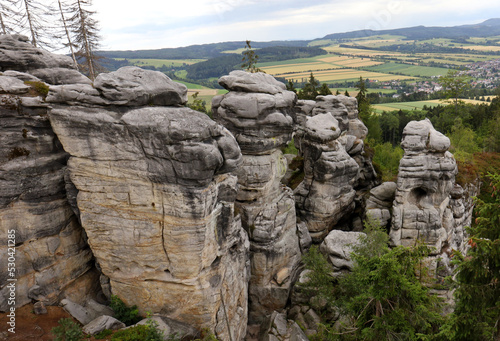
x=484, y=48
x=344, y=74
x=293, y=68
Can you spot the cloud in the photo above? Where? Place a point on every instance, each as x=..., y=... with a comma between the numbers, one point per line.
x=127, y=24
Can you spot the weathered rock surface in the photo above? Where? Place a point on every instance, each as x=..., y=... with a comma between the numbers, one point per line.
x=338, y=246
x=102, y=322
x=277, y=328
x=258, y=111
x=326, y=194
x=426, y=178
x=16, y=53
x=52, y=257
x=429, y=206
x=128, y=86
x=173, y=329
x=379, y=203
x=156, y=199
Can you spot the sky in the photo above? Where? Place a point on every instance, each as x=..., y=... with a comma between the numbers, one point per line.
x=155, y=24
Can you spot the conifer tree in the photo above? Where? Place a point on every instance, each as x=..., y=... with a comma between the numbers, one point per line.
x=86, y=36
x=250, y=59
x=309, y=91
x=34, y=18
x=7, y=15
x=66, y=31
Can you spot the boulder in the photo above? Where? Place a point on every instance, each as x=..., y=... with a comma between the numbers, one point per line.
x=276, y=327
x=258, y=82
x=101, y=323
x=133, y=86
x=172, y=329
x=16, y=53
x=338, y=246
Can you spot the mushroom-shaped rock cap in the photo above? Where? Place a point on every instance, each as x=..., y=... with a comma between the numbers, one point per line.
x=251, y=82
x=421, y=136
x=131, y=85
x=322, y=128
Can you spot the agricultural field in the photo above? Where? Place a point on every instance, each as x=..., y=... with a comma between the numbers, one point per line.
x=409, y=70
x=160, y=62
x=417, y=105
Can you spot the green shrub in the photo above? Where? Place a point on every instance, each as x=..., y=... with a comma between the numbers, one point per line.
x=148, y=331
x=128, y=315
x=103, y=334
x=67, y=330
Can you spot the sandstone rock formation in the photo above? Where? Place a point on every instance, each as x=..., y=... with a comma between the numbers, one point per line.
x=326, y=194
x=329, y=136
x=257, y=110
x=379, y=203
x=156, y=198
x=429, y=206
x=52, y=258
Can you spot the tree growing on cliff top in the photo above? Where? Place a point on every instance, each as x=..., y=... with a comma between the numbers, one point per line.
x=7, y=15
x=32, y=17
x=250, y=59
x=68, y=36
x=85, y=31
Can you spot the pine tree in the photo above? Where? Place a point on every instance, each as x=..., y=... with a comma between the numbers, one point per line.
x=85, y=35
x=477, y=311
x=34, y=19
x=250, y=59
x=66, y=31
x=309, y=91
x=290, y=86
x=7, y=17
x=324, y=90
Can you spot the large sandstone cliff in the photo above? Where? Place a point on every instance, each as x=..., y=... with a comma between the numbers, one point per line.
x=156, y=198
x=53, y=259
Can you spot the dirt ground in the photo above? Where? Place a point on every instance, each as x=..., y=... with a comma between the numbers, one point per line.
x=30, y=326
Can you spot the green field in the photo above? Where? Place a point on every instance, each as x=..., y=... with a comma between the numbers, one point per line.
x=409, y=70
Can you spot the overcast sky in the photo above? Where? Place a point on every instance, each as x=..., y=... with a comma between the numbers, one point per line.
x=154, y=24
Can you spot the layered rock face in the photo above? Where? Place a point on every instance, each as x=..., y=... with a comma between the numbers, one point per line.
x=330, y=138
x=156, y=198
x=326, y=194
x=429, y=206
x=52, y=258
x=257, y=110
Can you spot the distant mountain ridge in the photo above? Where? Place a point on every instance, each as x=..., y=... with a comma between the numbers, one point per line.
x=490, y=27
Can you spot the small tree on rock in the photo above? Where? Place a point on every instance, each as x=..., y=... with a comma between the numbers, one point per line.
x=250, y=59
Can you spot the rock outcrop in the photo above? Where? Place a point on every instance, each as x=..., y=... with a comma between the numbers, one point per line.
x=379, y=203
x=257, y=110
x=329, y=136
x=156, y=198
x=326, y=194
x=429, y=206
x=52, y=257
